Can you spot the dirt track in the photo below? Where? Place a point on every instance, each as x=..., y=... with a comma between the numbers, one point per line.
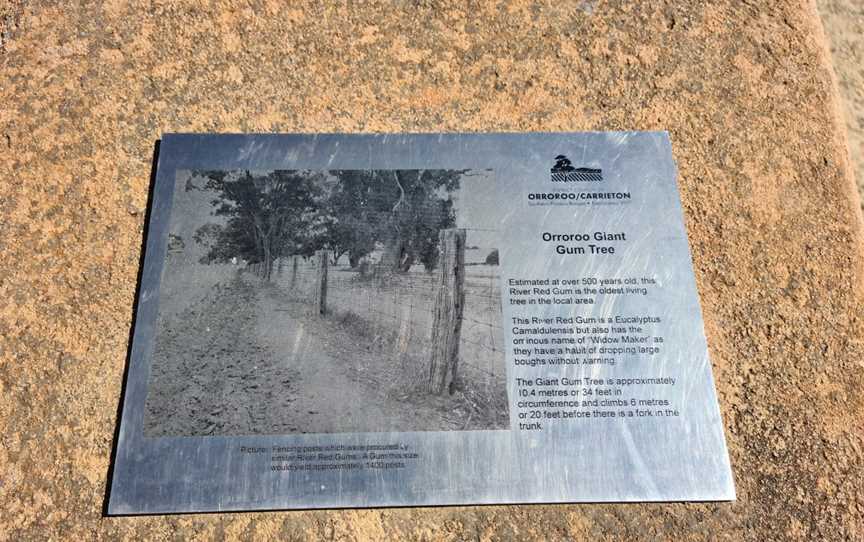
x=209, y=378
x=248, y=360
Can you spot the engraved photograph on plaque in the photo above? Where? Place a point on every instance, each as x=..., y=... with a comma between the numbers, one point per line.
x=335, y=320
x=321, y=301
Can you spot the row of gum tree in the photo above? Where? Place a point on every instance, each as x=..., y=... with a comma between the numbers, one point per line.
x=268, y=215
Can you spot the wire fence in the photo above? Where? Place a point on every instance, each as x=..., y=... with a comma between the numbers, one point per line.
x=396, y=309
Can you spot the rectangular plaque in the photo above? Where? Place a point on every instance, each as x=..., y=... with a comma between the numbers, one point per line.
x=393, y=320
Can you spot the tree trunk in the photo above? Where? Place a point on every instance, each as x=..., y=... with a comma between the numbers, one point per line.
x=391, y=256
x=353, y=259
x=396, y=257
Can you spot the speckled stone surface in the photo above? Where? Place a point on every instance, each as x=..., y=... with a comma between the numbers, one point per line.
x=844, y=26
x=744, y=89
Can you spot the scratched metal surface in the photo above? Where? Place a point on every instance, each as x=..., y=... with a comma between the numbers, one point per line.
x=600, y=460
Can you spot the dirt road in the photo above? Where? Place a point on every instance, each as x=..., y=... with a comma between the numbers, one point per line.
x=210, y=377
x=248, y=360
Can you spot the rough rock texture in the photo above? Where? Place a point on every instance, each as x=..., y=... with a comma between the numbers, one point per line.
x=744, y=88
x=844, y=25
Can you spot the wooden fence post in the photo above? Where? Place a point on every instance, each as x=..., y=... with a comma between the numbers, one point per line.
x=294, y=259
x=321, y=282
x=447, y=314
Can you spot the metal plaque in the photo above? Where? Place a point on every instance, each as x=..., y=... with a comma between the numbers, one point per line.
x=393, y=320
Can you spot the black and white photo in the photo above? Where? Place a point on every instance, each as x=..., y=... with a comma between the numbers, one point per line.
x=328, y=301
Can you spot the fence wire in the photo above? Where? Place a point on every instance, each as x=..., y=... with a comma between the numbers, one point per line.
x=397, y=309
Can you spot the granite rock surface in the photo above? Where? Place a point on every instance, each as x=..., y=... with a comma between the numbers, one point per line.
x=744, y=88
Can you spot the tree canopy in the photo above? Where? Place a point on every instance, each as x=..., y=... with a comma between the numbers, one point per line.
x=268, y=215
